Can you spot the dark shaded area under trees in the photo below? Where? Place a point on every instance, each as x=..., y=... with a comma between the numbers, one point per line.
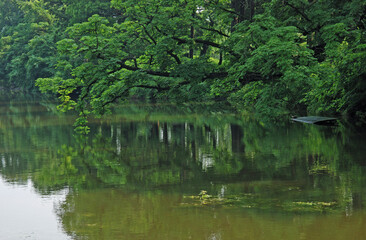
x=273, y=57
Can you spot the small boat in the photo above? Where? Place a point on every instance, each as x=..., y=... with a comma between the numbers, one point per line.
x=316, y=120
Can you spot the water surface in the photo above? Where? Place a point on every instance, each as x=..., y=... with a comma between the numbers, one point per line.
x=177, y=172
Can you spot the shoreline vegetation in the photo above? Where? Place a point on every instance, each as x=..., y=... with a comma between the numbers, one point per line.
x=274, y=58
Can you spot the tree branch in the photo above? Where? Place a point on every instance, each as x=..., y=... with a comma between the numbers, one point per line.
x=148, y=34
x=150, y=72
x=212, y=44
x=216, y=75
x=229, y=11
x=183, y=41
x=151, y=87
x=170, y=52
x=297, y=10
x=216, y=31
x=167, y=74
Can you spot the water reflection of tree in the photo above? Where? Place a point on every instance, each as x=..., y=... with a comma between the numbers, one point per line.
x=142, y=154
x=29, y=136
x=141, y=148
x=304, y=161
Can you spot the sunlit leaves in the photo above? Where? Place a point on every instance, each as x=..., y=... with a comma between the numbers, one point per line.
x=35, y=11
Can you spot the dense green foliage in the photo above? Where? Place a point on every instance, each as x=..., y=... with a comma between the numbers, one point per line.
x=276, y=57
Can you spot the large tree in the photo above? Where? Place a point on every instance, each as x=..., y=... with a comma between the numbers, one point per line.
x=168, y=47
x=273, y=56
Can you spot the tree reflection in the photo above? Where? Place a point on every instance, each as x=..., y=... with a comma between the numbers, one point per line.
x=164, y=156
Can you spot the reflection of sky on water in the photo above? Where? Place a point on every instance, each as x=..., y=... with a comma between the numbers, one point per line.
x=27, y=215
x=207, y=161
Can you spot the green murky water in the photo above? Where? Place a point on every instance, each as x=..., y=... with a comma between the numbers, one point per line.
x=168, y=172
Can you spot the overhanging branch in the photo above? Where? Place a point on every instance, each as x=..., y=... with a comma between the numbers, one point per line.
x=123, y=65
x=201, y=41
x=150, y=72
x=298, y=11
x=216, y=31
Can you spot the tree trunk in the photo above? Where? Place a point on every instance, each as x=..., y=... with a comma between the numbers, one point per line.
x=191, y=53
x=244, y=10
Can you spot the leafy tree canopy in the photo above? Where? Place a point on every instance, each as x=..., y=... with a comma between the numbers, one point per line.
x=276, y=57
